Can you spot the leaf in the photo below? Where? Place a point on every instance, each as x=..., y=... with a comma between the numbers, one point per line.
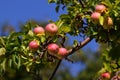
x=64, y=16
x=101, y=20
x=30, y=32
x=52, y=1
x=2, y=65
x=42, y=38
x=19, y=62
x=28, y=66
x=10, y=63
x=64, y=29
x=16, y=61
x=57, y=8
x=2, y=41
x=75, y=43
x=2, y=51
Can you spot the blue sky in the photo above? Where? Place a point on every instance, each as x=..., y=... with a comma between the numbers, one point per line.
x=15, y=11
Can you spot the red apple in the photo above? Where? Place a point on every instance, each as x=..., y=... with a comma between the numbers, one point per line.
x=100, y=8
x=62, y=53
x=34, y=45
x=51, y=29
x=95, y=17
x=105, y=75
x=39, y=30
x=53, y=49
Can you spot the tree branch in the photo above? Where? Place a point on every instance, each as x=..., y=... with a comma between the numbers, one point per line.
x=56, y=68
x=82, y=44
x=81, y=3
x=71, y=51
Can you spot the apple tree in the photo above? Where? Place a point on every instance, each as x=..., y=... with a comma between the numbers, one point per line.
x=36, y=46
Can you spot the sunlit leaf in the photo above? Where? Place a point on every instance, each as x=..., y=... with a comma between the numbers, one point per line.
x=2, y=51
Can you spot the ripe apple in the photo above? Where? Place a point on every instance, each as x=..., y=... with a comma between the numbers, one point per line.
x=95, y=17
x=108, y=22
x=39, y=31
x=53, y=49
x=100, y=8
x=34, y=45
x=51, y=29
x=105, y=75
x=62, y=53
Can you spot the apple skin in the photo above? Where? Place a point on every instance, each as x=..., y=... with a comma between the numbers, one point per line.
x=100, y=8
x=33, y=45
x=51, y=29
x=39, y=31
x=62, y=53
x=105, y=75
x=53, y=49
x=95, y=17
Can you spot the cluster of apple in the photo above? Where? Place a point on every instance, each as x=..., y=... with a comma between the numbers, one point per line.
x=99, y=12
x=53, y=49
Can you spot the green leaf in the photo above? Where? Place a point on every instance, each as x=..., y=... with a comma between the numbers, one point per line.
x=28, y=66
x=2, y=41
x=42, y=38
x=64, y=16
x=52, y=1
x=30, y=32
x=2, y=65
x=16, y=61
x=2, y=51
x=101, y=20
x=57, y=8
x=10, y=63
x=75, y=43
x=64, y=29
x=19, y=62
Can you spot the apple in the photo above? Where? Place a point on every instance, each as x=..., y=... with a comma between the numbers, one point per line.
x=51, y=29
x=95, y=17
x=39, y=30
x=62, y=53
x=100, y=8
x=53, y=49
x=108, y=22
x=34, y=45
x=105, y=75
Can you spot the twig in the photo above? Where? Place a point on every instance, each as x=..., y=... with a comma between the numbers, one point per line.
x=56, y=68
x=69, y=60
x=81, y=3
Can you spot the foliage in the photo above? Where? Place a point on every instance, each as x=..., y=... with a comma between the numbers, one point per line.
x=15, y=51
